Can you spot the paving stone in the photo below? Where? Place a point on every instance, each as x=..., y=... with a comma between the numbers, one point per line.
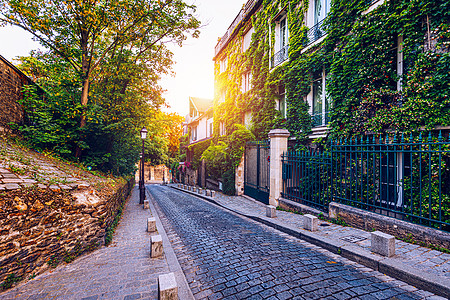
x=277, y=265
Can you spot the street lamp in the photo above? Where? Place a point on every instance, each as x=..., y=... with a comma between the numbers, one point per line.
x=141, y=175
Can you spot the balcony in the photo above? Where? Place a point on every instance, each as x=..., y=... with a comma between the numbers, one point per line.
x=315, y=33
x=280, y=57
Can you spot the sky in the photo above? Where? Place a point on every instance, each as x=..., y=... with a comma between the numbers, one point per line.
x=194, y=68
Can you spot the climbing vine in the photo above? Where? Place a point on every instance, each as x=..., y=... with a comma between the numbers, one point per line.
x=360, y=55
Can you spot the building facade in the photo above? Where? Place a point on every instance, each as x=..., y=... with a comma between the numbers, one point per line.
x=344, y=68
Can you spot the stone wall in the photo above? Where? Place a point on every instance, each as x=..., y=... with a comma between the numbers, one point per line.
x=11, y=83
x=41, y=228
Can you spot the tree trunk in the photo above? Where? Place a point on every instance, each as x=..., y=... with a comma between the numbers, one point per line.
x=84, y=100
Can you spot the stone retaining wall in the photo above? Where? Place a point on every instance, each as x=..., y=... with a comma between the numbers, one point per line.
x=36, y=234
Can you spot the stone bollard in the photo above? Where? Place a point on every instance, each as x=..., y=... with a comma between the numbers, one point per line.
x=146, y=204
x=310, y=222
x=200, y=191
x=271, y=211
x=382, y=243
x=167, y=287
x=151, y=225
x=156, y=246
x=213, y=194
x=206, y=192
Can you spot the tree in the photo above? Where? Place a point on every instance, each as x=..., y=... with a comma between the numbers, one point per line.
x=85, y=32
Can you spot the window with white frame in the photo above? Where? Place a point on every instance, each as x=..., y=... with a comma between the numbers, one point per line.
x=222, y=97
x=399, y=62
x=246, y=82
x=194, y=133
x=223, y=63
x=317, y=12
x=222, y=130
x=247, y=39
x=281, y=101
x=248, y=119
x=281, y=40
x=319, y=101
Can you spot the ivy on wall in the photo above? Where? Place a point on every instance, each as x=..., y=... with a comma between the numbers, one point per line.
x=360, y=55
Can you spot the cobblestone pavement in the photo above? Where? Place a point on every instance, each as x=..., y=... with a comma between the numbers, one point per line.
x=224, y=255
x=123, y=270
x=424, y=259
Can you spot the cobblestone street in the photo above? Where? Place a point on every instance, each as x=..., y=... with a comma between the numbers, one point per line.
x=123, y=270
x=224, y=255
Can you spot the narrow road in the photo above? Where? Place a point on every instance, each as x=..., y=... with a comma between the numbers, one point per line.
x=226, y=256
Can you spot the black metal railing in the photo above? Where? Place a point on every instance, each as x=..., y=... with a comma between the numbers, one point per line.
x=370, y=2
x=280, y=57
x=404, y=178
x=319, y=120
x=315, y=33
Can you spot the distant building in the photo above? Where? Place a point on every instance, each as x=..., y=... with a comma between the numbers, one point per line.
x=199, y=121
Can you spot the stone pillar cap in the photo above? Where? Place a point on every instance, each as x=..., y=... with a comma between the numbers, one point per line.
x=279, y=133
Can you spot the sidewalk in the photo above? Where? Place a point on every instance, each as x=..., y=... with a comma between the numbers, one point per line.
x=421, y=267
x=122, y=270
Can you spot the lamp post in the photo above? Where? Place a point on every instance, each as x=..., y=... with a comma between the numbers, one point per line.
x=141, y=173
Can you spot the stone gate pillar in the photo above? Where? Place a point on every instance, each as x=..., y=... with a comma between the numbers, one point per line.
x=278, y=145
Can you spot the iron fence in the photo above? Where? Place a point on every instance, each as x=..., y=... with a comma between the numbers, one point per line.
x=405, y=178
x=306, y=178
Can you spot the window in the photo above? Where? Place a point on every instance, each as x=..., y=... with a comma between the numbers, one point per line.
x=247, y=40
x=281, y=102
x=211, y=127
x=248, y=119
x=223, y=64
x=222, y=97
x=246, y=81
x=194, y=133
x=317, y=12
x=320, y=101
x=399, y=62
x=222, y=130
x=281, y=46
x=321, y=10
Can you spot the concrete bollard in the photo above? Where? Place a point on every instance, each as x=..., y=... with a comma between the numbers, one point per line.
x=382, y=243
x=167, y=287
x=200, y=191
x=213, y=194
x=156, y=246
x=310, y=222
x=146, y=204
x=206, y=192
x=271, y=211
x=151, y=225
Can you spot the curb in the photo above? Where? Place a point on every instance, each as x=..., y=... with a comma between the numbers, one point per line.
x=184, y=291
x=388, y=266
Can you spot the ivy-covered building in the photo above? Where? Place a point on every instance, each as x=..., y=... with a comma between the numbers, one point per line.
x=334, y=67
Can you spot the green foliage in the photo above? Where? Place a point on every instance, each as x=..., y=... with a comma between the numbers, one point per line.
x=216, y=157
x=236, y=144
x=197, y=150
x=229, y=182
x=9, y=281
x=100, y=74
x=223, y=158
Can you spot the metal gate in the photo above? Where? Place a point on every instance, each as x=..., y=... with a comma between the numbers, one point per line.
x=257, y=171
